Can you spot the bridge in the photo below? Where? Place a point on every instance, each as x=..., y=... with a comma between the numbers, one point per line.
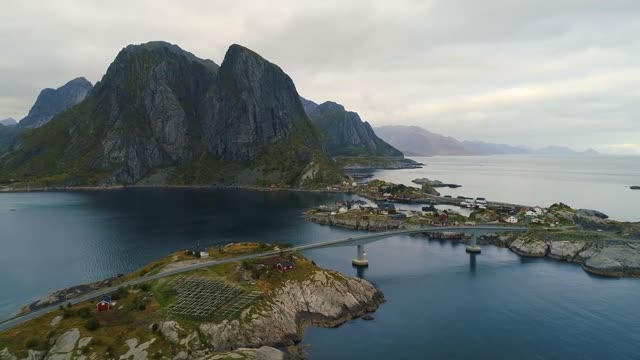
x=358, y=241
x=362, y=240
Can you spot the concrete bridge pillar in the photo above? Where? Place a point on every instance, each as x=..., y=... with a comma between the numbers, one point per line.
x=361, y=260
x=473, y=245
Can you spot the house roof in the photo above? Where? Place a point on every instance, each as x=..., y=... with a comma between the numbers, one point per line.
x=105, y=298
x=285, y=263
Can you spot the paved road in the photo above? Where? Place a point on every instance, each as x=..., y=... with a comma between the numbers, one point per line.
x=367, y=238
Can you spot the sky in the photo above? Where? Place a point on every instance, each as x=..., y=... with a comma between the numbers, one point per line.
x=526, y=72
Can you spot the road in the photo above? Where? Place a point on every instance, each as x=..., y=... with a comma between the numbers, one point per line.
x=367, y=238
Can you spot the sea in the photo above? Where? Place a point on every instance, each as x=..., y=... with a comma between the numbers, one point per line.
x=441, y=303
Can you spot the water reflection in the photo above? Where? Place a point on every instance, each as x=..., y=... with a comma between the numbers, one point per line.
x=361, y=271
x=472, y=263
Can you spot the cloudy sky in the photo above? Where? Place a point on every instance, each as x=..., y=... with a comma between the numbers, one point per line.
x=536, y=72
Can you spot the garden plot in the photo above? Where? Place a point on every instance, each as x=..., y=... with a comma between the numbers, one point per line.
x=202, y=297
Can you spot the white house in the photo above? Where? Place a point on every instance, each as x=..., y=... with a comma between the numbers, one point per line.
x=538, y=210
x=537, y=221
x=511, y=220
x=355, y=207
x=354, y=184
x=342, y=210
x=530, y=213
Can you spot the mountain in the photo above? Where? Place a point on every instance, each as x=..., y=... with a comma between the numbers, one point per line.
x=485, y=148
x=345, y=133
x=8, y=122
x=162, y=115
x=414, y=140
x=51, y=102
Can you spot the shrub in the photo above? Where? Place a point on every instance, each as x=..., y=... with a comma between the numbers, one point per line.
x=121, y=293
x=68, y=313
x=32, y=343
x=84, y=313
x=144, y=287
x=155, y=327
x=92, y=324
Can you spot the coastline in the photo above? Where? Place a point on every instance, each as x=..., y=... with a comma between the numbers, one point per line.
x=610, y=258
x=288, y=303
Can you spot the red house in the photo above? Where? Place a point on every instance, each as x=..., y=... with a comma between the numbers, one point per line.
x=104, y=304
x=443, y=218
x=285, y=266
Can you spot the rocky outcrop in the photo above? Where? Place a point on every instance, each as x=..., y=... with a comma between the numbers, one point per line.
x=137, y=351
x=588, y=212
x=429, y=190
x=326, y=298
x=345, y=133
x=64, y=346
x=353, y=222
x=51, y=102
x=434, y=183
x=528, y=246
x=565, y=250
x=496, y=240
x=616, y=260
x=5, y=354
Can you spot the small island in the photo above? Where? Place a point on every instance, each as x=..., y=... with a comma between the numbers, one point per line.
x=634, y=187
x=434, y=183
x=252, y=309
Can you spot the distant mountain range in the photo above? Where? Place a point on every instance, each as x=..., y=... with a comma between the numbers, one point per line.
x=345, y=133
x=8, y=122
x=161, y=115
x=416, y=141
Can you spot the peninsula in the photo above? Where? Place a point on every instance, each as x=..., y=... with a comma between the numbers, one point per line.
x=254, y=309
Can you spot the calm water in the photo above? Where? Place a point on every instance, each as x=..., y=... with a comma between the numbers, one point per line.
x=441, y=303
x=599, y=182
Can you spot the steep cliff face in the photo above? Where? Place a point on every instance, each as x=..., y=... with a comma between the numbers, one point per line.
x=51, y=102
x=325, y=299
x=160, y=107
x=345, y=133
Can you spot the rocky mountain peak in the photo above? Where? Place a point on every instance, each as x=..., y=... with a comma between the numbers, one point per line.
x=159, y=107
x=345, y=133
x=50, y=102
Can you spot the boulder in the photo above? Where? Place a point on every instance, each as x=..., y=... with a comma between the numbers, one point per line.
x=565, y=250
x=526, y=246
x=137, y=352
x=64, y=345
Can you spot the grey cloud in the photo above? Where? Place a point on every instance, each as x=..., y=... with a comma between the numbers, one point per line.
x=538, y=72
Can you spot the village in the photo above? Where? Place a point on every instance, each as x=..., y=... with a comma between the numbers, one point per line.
x=384, y=201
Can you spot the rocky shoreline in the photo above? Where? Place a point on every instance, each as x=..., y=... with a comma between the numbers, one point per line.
x=614, y=258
